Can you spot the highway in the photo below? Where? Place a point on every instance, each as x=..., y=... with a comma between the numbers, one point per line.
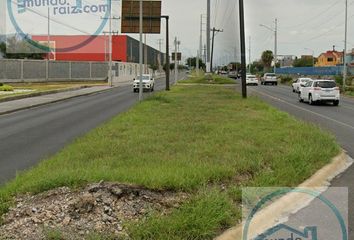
x=31, y=135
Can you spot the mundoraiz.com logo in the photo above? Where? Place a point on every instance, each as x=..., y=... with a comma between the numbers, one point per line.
x=322, y=214
x=284, y=232
x=63, y=17
x=62, y=7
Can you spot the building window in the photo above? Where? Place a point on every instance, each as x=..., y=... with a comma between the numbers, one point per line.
x=330, y=59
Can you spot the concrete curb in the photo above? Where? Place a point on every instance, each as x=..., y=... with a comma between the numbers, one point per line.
x=56, y=100
x=291, y=203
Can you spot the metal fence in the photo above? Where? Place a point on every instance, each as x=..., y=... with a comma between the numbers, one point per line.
x=44, y=71
x=314, y=71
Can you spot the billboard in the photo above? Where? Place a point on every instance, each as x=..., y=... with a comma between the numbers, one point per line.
x=151, y=16
x=179, y=56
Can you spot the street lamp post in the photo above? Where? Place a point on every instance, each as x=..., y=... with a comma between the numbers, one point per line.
x=275, y=30
x=345, y=46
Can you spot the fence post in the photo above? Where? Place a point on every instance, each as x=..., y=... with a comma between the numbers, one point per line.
x=21, y=67
x=70, y=69
x=90, y=70
x=47, y=70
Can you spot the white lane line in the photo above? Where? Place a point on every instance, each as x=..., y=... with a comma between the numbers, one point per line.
x=306, y=110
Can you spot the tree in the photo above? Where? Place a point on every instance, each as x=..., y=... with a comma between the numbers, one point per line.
x=304, y=62
x=172, y=66
x=192, y=62
x=15, y=48
x=267, y=58
x=257, y=66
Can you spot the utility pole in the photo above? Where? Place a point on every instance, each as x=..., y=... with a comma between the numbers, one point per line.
x=208, y=68
x=212, y=48
x=141, y=51
x=145, y=56
x=48, y=37
x=275, y=45
x=249, y=54
x=275, y=30
x=110, y=47
x=205, y=54
x=48, y=43
x=167, y=53
x=176, y=59
x=200, y=52
x=345, y=46
x=197, y=63
x=159, y=42
x=243, y=49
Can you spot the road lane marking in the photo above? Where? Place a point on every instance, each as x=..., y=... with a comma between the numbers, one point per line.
x=306, y=110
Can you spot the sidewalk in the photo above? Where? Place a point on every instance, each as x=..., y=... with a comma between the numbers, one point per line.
x=25, y=103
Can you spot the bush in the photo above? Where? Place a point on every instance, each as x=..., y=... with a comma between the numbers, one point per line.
x=1, y=84
x=6, y=88
x=339, y=80
x=286, y=79
x=349, y=88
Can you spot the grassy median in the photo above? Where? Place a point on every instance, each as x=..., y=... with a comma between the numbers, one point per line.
x=193, y=139
x=208, y=79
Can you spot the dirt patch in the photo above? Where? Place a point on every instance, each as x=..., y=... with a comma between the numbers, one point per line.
x=77, y=214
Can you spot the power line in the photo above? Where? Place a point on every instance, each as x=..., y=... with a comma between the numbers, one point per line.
x=315, y=17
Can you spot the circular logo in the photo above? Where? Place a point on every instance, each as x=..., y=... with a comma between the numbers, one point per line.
x=282, y=192
x=26, y=37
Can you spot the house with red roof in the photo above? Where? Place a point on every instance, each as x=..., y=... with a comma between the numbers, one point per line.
x=330, y=58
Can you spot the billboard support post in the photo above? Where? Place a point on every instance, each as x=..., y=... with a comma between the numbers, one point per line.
x=141, y=51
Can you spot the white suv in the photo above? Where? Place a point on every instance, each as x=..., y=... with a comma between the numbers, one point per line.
x=251, y=80
x=319, y=91
x=148, y=83
x=269, y=78
x=298, y=82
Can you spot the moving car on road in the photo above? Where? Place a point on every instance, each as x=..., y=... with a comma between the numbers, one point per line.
x=296, y=84
x=233, y=74
x=148, y=83
x=319, y=91
x=251, y=80
x=269, y=78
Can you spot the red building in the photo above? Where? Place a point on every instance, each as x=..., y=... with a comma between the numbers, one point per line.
x=79, y=48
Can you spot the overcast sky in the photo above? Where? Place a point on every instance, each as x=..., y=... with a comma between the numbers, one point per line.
x=311, y=24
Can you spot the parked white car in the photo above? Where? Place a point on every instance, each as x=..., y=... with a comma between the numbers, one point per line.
x=148, y=83
x=269, y=78
x=296, y=84
x=319, y=91
x=251, y=80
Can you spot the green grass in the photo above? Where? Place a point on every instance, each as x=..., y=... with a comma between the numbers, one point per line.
x=6, y=88
x=204, y=215
x=188, y=139
x=208, y=79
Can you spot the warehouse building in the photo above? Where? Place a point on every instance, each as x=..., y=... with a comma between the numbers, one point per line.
x=96, y=48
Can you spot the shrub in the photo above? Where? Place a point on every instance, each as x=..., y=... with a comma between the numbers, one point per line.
x=1, y=84
x=6, y=88
x=286, y=79
x=339, y=80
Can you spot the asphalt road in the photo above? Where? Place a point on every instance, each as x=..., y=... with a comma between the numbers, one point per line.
x=338, y=120
x=29, y=136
